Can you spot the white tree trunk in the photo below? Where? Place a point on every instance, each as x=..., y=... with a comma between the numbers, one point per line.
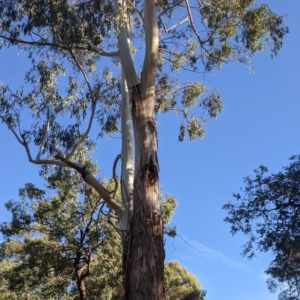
x=127, y=171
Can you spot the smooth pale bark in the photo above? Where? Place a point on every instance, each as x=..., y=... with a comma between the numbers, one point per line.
x=127, y=170
x=124, y=50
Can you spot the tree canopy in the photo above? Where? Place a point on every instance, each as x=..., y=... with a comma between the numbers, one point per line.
x=63, y=241
x=66, y=39
x=268, y=212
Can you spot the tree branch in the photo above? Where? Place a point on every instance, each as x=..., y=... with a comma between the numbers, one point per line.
x=85, y=135
x=114, y=174
x=12, y=130
x=177, y=24
x=131, y=4
x=94, y=183
x=151, y=53
x=23, y=142
x=192, y=22
x=64, y=47
x=125, y=55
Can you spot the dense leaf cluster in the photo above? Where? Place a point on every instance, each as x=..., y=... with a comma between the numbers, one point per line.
x=268, y=212
x=64, y=235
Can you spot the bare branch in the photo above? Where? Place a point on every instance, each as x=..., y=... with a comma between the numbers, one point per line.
x=91, y=48
x=177, y=24
x=12, y=130
x=164, y=26
x=192, y=22
x=48, y=162
x=23, y=142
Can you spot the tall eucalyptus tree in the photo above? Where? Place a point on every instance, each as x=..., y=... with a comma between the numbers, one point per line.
x=68, y=38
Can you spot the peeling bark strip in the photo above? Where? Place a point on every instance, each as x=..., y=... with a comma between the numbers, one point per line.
x=144, y=252
x=152, y=126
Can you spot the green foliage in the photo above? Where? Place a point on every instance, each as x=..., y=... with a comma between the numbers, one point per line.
x=191, y=93
x=39, y=260
x=268, y=213
x=180, y=284
x=65, y=40
x=51, y=237
x=168, y=206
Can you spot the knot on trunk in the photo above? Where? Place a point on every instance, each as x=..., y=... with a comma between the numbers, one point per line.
x=150, y=171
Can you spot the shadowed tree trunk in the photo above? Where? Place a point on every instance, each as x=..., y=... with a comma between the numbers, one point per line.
x=145, y=241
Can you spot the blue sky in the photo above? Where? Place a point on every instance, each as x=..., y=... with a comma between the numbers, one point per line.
x=260, y=125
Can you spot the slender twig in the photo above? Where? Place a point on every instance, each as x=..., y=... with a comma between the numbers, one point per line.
x=114, y=175
x=23, y=142
x=130, y=2
x=177, y=24
x=12, y=130
x=86, y=133
x=192, y=22
x=164, y=25
x=177, y=3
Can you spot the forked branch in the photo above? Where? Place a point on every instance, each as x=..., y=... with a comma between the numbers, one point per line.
x=94, y=183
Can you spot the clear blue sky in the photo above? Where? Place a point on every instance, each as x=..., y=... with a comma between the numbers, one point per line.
x=260, y=125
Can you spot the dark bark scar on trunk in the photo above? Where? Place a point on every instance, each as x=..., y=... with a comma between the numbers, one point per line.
x=154, y=222
x=151, y=125
x=150, y=171
x=135, y=97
